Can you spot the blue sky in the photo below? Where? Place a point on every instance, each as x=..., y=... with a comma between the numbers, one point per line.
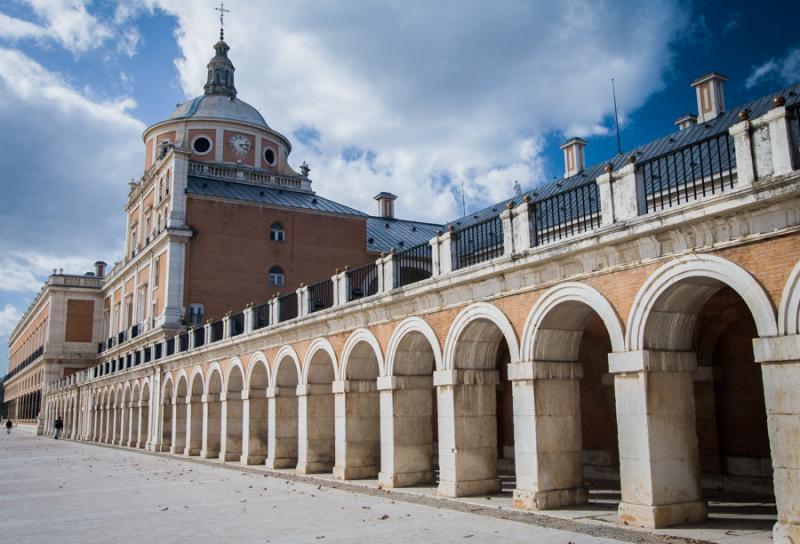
x=416, y=98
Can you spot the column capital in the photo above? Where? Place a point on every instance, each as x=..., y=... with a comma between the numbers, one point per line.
x=390, y=383
x=777, y=349
x=545, y=370
x=650, y=360
x=465, y=377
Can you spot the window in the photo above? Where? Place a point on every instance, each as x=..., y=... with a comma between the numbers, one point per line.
x=276, y=277
x=269, y=156
x=196, y=312
x=201, y=145
x=276, y=233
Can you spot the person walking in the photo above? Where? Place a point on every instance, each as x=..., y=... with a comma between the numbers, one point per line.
x=9, y=424
x=58, y=424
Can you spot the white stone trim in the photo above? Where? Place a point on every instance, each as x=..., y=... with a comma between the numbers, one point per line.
x=571, y=292
x=698, y=266
x=789, y=311
x=258, y=358
x=474, y=312
x=324, y=345
x=409, y=325
x=213, y=367
x=235, y=362
x=283, y=353
x=357, y=336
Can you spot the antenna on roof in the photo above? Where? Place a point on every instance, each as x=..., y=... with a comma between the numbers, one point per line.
x=616, y=116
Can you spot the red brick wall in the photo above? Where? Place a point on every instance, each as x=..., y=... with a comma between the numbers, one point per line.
x=80, y=316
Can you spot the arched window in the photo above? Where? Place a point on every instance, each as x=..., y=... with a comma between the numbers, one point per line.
x=276, y=276
x=276, y=233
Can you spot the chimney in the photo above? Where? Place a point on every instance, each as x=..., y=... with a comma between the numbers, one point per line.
x=385, y=204
x=710, y=99
x=100, y=269
x=574, y=158
x=685, y=121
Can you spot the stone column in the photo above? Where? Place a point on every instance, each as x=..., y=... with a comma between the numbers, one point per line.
x=131, y=443
x=406, y=405
x=254, y=427
x=779, y=358
x=547, y=434
x=467, y=411
x=231, y=435
x=357, y=413
x=123, y=429
x=282, y=428
x=659, y=463
x=211, y=426
x=178, y=425
x=194, y=424
x=316, y=435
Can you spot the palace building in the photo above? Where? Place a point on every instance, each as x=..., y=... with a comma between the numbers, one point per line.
x=636, y=322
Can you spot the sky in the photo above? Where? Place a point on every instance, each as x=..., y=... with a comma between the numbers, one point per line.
x=424, y=99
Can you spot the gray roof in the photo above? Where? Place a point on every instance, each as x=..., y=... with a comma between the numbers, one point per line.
x=266, y=195
x=219, y=107
x=384, y=234
x=644, y=152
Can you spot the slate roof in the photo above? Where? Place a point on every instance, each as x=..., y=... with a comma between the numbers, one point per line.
x=219, y=107
x=644, y=152
x=384, y=234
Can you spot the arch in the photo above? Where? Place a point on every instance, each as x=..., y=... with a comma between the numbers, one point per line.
x=233, y=364
x=258, y=361
x=408, y=326
x=197, y=378
x=479, y=311
x=213, y=379
x=358, y=336
x=284, y=353
x=182, y=383
x=679, y=289
x=167, y=382
x=789, y=311
x=317, y=346
x=575, y=302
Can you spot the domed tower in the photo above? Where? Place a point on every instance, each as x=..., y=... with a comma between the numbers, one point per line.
x=217, y=127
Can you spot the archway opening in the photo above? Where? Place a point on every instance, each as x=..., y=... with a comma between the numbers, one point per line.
x=165, y=444
x=194, y=413
x=144, y=416
x=136, y=424
x=118, y=409
x=254, y=452
x=179, y=417
x=358, y=436
x=409, y=444
x=212, y=417
x=316, y=409
x=127, y=412
x=233, y=416
x=282, y=428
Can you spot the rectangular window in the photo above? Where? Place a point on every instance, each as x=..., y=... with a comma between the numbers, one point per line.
x=196, y=312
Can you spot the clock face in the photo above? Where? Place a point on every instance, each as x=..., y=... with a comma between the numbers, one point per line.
x=240, y=144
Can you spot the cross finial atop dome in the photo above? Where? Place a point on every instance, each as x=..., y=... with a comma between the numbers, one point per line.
x=222, y=11
x=220, y=68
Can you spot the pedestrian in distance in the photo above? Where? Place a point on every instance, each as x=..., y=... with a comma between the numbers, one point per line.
x=58, y=424
x=9, y=424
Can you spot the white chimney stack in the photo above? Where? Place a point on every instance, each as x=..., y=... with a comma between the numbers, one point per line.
x=385, y=204
x=574, y=157
x=685, y=121
x=710, y=98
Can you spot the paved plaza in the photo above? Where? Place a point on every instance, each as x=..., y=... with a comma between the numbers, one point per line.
x=65, y=492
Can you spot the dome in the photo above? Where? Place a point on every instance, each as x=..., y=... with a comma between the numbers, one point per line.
x=218, y=106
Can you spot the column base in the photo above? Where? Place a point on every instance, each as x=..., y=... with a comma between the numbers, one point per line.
x=226, y=456
x=252, y=459
x=130, y=444
x=655, y=517
x=785, y=533
x=469, y=488
x=164, y=448
x=191, y=452
x=209, y=454
x=355, y=473
x=282, y=462
x=405, y=479
x=314, y=468
x=547, y=500
x=177, y=449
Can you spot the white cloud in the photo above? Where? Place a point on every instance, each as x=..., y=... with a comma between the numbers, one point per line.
x=16, y=29
x=786, y=70
x=435, y=91
x=9, y=316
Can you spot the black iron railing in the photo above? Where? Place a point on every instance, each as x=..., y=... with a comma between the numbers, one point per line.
x=158, y=349
x=134, y=331
x=101, y=347
x=199, y=336
x=183, y=342
x=237, y=324
x=261, y=316
x=413, y=264
x=477, y=243
x=148, y=355
x=217, y=330
x=110, y=343
x=287, y=307
x=362, y=281
x=691, y=172
x=137, y=358
x=320, y=296
x=121, y=337
x=25, y=362
x=565, y=214
x=170, y=346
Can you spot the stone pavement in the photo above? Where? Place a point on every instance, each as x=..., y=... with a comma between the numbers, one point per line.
x=61, y=491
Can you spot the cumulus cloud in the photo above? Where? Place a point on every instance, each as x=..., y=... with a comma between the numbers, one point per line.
x=441, y=93
x=785, y=69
